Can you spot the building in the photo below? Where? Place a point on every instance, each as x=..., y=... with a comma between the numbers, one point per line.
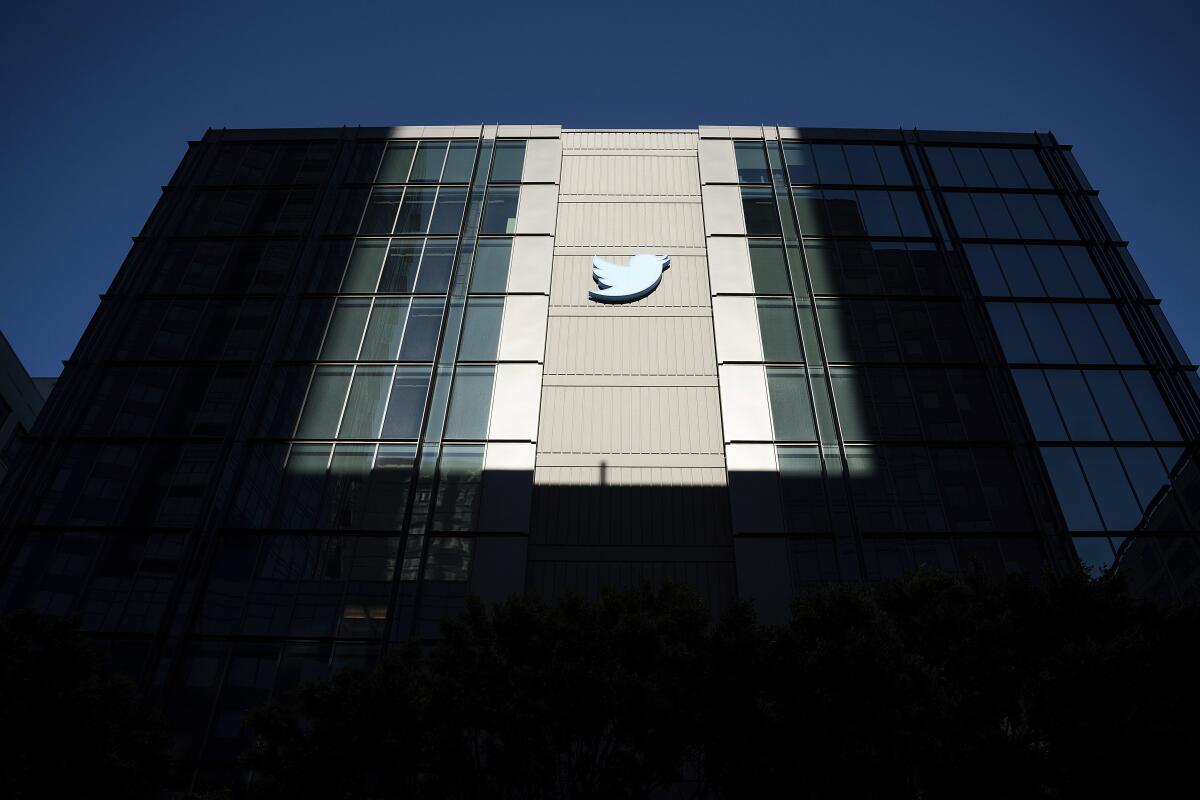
x=347, y=377
x=21, y=398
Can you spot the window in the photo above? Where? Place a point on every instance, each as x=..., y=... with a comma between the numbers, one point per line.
x=427, y=164
x=481, y=329
x=416, y=210
x=508, y=162
x=490, y=272
x=365, y=405
x=447, y=215
x=751, y=162
x=780, y=334
x=758, y=206
x=345, y=330
x=406, y=404
x=791, y=407
x=385, y=330
x=768, y=264
x=470, y=402
x=437, y=264
x=459, y=161
x=380, y=216
x=460, y=475
x=396, y=160
x=421, y=332
x=400, y=267
x=323, y=406
x=500, y=211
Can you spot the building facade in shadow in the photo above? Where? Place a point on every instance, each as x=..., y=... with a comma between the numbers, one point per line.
x=348, y=377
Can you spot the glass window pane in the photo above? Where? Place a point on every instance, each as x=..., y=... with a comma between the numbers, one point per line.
x=1145, y=471
x=780, y=335
x=944, y=168
x=1074, y=497
x=1082, y=333
x=1075, y=404
x=427, y=165
x=1056, y=214
x=994, y=215
x=323, y=407
x=415, y=211
x=508, y=163
x=409, y=389
x=1053, y=270
x=1018, y=270
x=396, y=161
x=460, y=477
x=895, y=169
x=385, y=330
x=437, y=262
x=962, y=212
x=1004, y=169
x=791, y=407
x=400, y=267
x=1084, y=270
x=1118, y=506
x=345, y=330
x=387, y=495
x=769, y=267
x=828, y=277
x=459, y=162
x=831, y=164
x=1116, y=406
x=877, y=215
x=364, y=408
x=1039, y=404
x=1031, y=168
x=911, y=215
x=972, y=166
x=365, y=162
x=1046, y=334
x=810, y=212
x=500, y=212
x=800, y=165
x=490, y=272
x=758, y=207
x=987, y=270
x=470, y=402
x=366, y=260
x=380, y=215
x=751, y=162
x=845, y=216
x=1030, y=223
x=421, y=332
x=863, y=166
x=1011, y=332
x=481, y=329
x=447, y=216
x=1116, y=334
x=1150, y=402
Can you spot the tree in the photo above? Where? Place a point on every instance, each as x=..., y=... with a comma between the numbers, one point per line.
x=72, y=727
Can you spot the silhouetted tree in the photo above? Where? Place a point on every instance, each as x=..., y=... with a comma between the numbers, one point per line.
x=72, y=727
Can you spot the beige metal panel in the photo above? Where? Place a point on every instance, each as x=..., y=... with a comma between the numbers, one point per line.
x=523, y=329
x=515, y=401
x=685, y=282
x=643, y=225
x=595, y=460
x=513, y=131
x=746, y=131
x=630, y=419
x=545, y=131
x=537, y=208
x=714, y=131
x=406, y=132
x=723, y=210
x=631, y=476
x=616, y=175
x=464, y=131
x=629, y=140
x=543, y=161
x=717, y=164
x=744, y=405
x=743, y=457
x=629, y=380
x=754, y=494
x=729, y=265
x=735, y=320
x=612, y=345
x=509, y=456
x=531, y=263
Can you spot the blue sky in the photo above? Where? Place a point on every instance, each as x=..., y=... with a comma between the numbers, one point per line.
x=100, y=99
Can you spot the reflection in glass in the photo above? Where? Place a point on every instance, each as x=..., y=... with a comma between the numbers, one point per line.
x=500, y=210
x=421, y=332
x=437, y=263
x=470, y=402
x=323, y=407
x=364, y=407
x=780, y=333
x=396, y=161
x=490, y=272
x=481, y=329
x=508, y=162
x=407, y=403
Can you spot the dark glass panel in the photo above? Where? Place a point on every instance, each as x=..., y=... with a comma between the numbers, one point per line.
x=387, y=495
x=459, y=162
x=323, y=406
x=427, y=164
x=877, y=214
x=800, y=165
x=845, y=216
x=1075, y=404
x=1039, y=404
x=911, y=215
x=986, y=268
x=944, y=168
x=481, y=329
x=380, y=216
x=349, y=211
x=1084, y=270
x=1018, y=270
x=409, y=390
x=396, y=160
x=831, y=164
x=962, y=212
x=996, y=220
x=416, y=210
x=1150, y=402
x=508, y=163
x=1029, y=220
x=460, y=476
x=972, y=166
x=1118, y=506
x=863, y=166
x=470, y=402
x=1004, y=169
x=1082, y=333
x=345, y=330
x=1115, y=333
x=447, y=216
x=362, y=274
x=500, y=213
x=490, y=271
x=791, y=407
x=824, y=266
x=1046, y=334
x=365, y=162
x=1053, y=270
x=1011, y=332
x=758, y=207
x=780, y=334
x=1120, y=415
x=895, y=169
x=1071, y=489
x=1032, y=169
x=385, y=329
x=400, y=268
x=421, y=332
x=751, y=162
x=810, y=212
x=1056, y=215
x=437, y=262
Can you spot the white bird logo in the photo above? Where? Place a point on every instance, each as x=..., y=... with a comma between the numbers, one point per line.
x=620, y=284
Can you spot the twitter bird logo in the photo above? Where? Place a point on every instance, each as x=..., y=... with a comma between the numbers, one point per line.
x=621, y=284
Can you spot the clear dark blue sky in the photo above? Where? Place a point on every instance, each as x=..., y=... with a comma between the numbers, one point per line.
x=100, y=99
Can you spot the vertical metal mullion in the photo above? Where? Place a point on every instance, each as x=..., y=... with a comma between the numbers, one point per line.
x=797, y=267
